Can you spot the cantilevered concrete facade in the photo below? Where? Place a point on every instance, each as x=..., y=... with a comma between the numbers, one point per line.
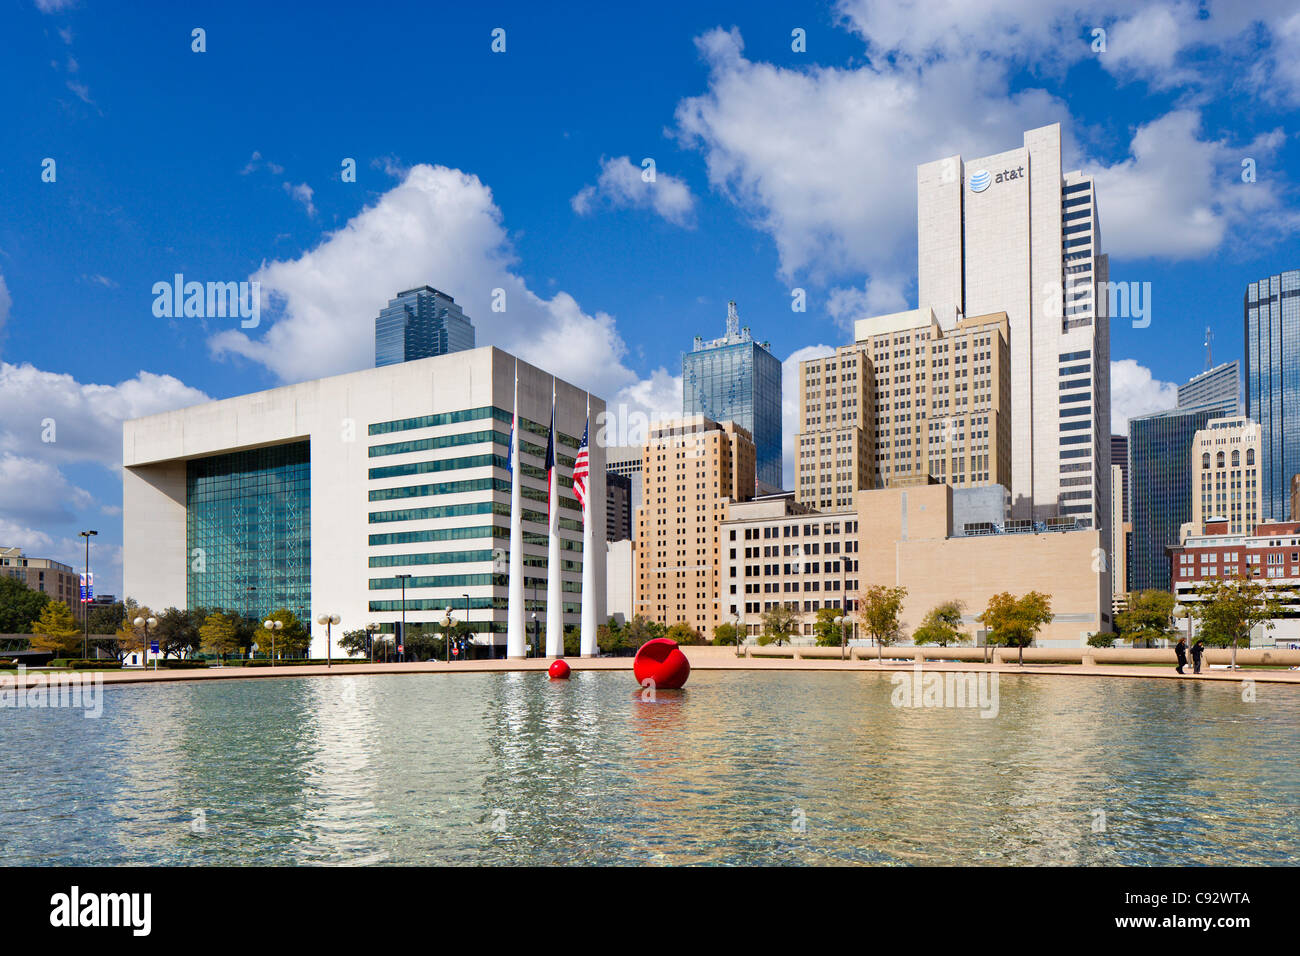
x=318, y=495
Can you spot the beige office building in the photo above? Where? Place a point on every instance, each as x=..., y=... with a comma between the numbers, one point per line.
x=906, y=536
x=1225, y=476
x=909, y=400
x=692, y=469
x=57, y=580
x=1013, y=232
x=780, y=553
x=941, y=404
x=835, y=444
x=1119, y=532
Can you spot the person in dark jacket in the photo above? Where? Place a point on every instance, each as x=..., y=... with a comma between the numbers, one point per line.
x=1181, y=650
x=1198, y=651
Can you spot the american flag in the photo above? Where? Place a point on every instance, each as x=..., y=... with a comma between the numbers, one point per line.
x=581, y=469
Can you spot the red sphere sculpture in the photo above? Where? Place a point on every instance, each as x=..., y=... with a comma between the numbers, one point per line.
x=558, y=670
x=663, y=662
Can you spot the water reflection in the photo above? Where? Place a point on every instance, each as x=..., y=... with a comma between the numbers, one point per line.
x=738, y=768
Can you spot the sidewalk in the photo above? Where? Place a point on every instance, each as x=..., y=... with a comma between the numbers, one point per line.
x=713, y=662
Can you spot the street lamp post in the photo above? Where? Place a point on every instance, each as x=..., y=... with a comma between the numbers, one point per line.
x=533, y=625
x=467, y=639
x=146, y=623
x=739, y=637
x=840, y=621
x=327, y=620
x=401, y=654
x=271, y=627
x=370, y=640
x=85, y=598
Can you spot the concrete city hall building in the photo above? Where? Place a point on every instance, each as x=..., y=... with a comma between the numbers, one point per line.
x=317, y=496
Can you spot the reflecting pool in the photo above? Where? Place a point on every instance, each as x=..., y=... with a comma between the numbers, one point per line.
x=739, y=768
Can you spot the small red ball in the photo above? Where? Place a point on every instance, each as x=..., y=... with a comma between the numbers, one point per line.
x=663, y=662
x=558, y=670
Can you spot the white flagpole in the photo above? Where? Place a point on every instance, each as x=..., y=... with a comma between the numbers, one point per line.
x=515, y=636
x=554, y=571
x=587, y=639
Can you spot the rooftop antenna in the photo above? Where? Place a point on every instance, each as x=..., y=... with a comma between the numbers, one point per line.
x=1209, y=337
x=733, y=320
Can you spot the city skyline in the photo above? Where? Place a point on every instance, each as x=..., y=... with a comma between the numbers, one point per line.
x=603, y=279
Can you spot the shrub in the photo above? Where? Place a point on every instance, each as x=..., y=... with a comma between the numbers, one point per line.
x=82, y=664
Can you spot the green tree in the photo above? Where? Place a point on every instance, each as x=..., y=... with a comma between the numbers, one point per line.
x=1230, y=608
x=355, y=643
x=827, y=632
x=292, y=639
x=105, y=618
x=177, y=631
x=1015, y=622
x=1148, y=618
x=638, y=631
x=725, y=634
x=778, y=624
x=878, y=608
x=683, y=633
x=942, y=625
x=128, y=637
x=1102, y=639
x=219, y=634
x=56, y=630
x=19, y=606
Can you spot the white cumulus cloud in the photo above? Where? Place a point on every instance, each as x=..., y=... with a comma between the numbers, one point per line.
x=622, y=185
x=440, y=227
x=1135, y=391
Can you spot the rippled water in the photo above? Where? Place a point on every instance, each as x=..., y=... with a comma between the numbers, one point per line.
x=740, y=768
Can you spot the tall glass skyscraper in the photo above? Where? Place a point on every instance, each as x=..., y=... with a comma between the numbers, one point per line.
x=1272, y=327
x=421, y=323
x=735, y=379
x=1160, y=487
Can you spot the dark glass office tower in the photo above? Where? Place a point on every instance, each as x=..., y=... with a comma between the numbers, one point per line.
x=1119, y=456
x=421, y=323
x=1160, y=488
x=1272, y=327
x=735, y=379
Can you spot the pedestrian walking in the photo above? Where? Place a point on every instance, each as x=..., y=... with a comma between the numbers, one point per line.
x=1181, y=650
x=1198, y=651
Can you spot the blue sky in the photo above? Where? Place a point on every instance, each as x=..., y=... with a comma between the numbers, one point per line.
x=521, y=170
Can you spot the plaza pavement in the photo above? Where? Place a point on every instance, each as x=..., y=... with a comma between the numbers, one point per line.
x=701, y=659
